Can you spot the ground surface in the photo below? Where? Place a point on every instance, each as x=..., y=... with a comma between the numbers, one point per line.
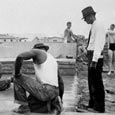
x=109, y=83
x=7, y=100
x=76, y=94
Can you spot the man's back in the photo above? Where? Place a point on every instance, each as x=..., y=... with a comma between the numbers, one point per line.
x=47, y=71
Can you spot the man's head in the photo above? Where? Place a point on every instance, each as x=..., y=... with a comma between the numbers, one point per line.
x=88, y=15
x=69, y=24
x=112, y=26
x=41, y=46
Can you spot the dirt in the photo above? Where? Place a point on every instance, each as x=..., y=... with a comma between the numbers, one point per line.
x=83, y=92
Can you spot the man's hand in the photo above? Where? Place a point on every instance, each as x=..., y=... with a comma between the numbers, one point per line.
x=93, y=64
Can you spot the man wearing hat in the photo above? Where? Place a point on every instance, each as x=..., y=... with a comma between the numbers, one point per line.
x=95, y=47
x=45, y=86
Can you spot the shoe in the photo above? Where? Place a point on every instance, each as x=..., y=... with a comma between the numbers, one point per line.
x=81, y=110
x=109, y=73
x=95, y=110
x=22, y=109
x=57, y=106
x=83, y=106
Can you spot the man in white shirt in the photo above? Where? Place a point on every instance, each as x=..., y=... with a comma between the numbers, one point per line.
x=45, y=86
x=95, y=61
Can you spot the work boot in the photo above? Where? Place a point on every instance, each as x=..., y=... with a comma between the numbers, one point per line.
x=22, y=109
x=57, y=106
x=96, y=110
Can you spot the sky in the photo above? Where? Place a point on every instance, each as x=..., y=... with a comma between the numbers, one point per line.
x=49, y=17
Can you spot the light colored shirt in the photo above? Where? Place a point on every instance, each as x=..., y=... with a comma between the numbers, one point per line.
x=110, y=36
x=97, y=40
x=47, y=72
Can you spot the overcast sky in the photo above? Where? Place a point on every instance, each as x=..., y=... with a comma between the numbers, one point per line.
x=49, y=17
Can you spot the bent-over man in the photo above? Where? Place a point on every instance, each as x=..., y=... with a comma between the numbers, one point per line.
x=44, y=87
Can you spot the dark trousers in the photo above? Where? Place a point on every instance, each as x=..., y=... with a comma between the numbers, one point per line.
x=42, y=92
x=95, y=83
x=41, y=95
x=38, y=106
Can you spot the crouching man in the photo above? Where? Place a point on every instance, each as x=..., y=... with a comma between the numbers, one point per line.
x=44, y=87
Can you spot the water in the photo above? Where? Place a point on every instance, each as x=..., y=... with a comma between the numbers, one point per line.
x=70, y=83
x=69, y=98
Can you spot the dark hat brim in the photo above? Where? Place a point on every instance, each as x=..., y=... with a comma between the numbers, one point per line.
x=44, y=46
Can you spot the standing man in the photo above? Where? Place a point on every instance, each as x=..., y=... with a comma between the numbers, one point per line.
x=68, y=34
x=44, y=87
x=110, y=36
x=95, y=61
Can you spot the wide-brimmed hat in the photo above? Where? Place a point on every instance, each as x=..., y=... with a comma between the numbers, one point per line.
x=88, y=11
x=41, y=45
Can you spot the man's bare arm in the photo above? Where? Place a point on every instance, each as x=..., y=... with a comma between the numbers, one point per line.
x=111, y=32
x=20, y=58
x=73, y=36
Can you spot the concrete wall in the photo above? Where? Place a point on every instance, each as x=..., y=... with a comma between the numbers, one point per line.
x=60, y=50
x=65, y=67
